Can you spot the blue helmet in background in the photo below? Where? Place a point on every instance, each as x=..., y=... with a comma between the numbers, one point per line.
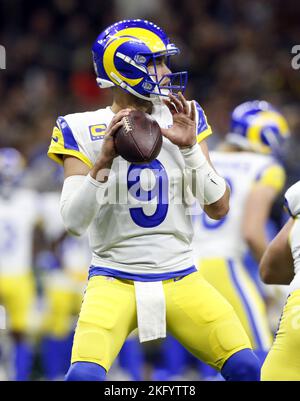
x=121, y=55
x=12, y=165
x=258, y=126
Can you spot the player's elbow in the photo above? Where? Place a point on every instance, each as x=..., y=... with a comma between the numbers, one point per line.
x=220, y=213
x=268, y=267
x=266, y=273
x=75, y=230
x=217, y=211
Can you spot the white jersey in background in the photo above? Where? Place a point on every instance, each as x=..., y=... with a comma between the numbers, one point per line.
x=242, y=170
x=144, y=232
x=75, y=254
x=18, y=216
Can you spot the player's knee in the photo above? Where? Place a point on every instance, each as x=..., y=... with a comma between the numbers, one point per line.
x=242, y=366
x=85, y=371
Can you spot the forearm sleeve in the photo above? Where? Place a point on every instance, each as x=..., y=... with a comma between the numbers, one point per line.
x=82, y=196
x=206, y=185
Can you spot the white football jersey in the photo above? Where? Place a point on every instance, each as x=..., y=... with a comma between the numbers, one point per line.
x=223, y=238
x=76, y=255
x=53, y=225
x=18, y=216
x=144, y=226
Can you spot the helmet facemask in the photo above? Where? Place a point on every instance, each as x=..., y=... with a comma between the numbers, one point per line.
x=168, y=83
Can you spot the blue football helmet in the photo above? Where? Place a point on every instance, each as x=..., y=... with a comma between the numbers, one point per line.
x=258, y=126
x=121, y=55
x=12, y=166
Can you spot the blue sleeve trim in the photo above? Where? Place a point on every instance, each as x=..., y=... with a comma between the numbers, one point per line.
x=69, y=140
x=202, y=121
x=104, y=271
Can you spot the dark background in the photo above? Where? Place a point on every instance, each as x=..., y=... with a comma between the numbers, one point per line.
x=234, y=51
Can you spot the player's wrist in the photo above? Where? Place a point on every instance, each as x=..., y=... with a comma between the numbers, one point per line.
x=193, y=156
x=189, y=144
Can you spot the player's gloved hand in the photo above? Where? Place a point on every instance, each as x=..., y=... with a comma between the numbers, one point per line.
x=183, y=131
x=108, y=151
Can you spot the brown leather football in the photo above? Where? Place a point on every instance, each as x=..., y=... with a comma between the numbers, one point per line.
x=139, y=139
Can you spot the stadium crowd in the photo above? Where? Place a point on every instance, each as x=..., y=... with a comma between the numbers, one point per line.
x=233, y=51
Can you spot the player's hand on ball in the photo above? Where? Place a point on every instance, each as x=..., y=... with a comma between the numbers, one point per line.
x=183, y=131
x=108, y=150
x=100, y=170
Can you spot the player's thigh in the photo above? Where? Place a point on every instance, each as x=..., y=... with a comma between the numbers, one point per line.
x=107, y=316
x=232, y=280
x=283, y=360
x=203, y=321
x=18, y=299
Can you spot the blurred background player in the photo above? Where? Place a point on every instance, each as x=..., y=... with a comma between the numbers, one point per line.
x=19, y=216
x=65, y=262
x=281, y=265
x=250, y=161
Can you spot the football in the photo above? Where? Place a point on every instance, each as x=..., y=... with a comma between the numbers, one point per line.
x=139, y=139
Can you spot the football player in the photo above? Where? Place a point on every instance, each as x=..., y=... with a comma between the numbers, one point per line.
x=280, y=265
x=66, y=260
x=248, y=159
x=142, y=272
x=19, y=215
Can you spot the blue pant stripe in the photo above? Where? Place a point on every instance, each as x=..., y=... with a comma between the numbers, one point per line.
x=251, y=318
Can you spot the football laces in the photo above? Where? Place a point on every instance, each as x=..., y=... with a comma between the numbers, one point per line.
x=127, y=125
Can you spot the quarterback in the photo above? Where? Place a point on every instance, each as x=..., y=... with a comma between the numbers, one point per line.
x=280, y=265
x=142, y=272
